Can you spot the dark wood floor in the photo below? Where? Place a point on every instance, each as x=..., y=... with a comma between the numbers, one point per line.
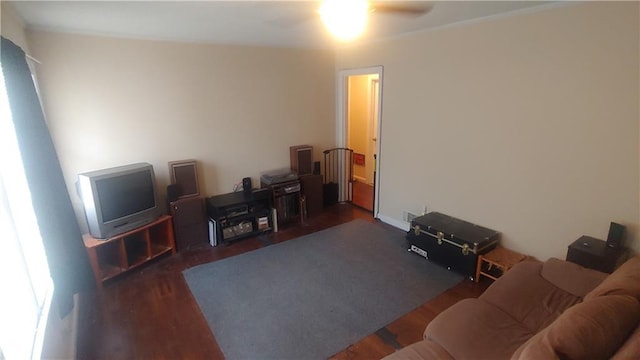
x=150, y=312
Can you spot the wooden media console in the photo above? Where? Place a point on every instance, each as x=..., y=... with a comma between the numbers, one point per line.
x=116, y=255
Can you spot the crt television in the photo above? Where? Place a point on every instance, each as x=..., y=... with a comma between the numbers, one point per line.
x=118, y=199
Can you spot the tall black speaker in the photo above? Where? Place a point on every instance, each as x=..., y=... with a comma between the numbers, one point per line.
x=616, y=232
x=173, y=192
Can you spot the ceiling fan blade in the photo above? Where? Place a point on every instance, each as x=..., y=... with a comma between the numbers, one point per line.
x=415, y=8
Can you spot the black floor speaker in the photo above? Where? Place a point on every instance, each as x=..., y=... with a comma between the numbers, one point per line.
x=616, y=233
x=172, y=192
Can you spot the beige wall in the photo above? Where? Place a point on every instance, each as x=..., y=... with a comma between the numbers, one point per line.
x=526, y=124
x=358, y=111
x=12, y=26
x=236, y=110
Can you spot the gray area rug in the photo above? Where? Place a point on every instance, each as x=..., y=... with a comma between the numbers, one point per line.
x=313, y=296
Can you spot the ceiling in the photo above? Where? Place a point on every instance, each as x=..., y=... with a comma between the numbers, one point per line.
x=263, y=23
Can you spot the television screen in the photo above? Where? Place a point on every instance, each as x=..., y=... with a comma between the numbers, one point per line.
x=125, y=195
x=118, y=199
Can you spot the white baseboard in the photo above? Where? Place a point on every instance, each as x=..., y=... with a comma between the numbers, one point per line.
x=393, y=222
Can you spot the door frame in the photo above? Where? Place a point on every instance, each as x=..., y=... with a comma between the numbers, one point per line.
x=372, y=126
x=342, y=92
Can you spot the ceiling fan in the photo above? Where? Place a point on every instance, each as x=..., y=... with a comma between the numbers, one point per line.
x=410, y=8
x=347, y=19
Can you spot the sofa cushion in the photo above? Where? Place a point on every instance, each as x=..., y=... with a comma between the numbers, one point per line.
x=530, y=299
x=422, y=350
x=570, y=277
x=537, y=347
x=473, y=328
x=624, y=281
x=594, y=329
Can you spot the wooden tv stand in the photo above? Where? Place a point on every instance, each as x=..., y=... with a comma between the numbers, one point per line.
x=116, y=255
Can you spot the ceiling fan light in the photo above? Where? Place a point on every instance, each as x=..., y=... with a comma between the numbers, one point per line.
x=345, y=19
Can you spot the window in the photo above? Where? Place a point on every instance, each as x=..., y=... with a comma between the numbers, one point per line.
x=25, y=281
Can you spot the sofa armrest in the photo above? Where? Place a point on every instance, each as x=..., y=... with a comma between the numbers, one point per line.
x=528, y=297
x=473, y=328
x=570, y=277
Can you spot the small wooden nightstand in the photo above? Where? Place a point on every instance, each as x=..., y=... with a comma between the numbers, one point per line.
x=594, y=254
x=496, y=262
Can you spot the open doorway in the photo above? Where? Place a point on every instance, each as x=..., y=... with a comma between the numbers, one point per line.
x=359, y=113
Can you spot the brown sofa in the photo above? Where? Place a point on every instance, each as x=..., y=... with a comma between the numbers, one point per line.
x=549, y=310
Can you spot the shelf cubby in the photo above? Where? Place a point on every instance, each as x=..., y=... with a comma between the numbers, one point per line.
x=113, y=256
x=109, y=261
x=136, y=248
